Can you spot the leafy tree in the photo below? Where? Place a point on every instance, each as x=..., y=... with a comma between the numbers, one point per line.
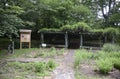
x=10, y=22
x=38, y=14
x=110, y=10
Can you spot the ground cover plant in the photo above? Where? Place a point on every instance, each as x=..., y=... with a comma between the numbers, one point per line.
x=81, y=55
x=104, y=65
x=111, y=47
x=117, y=63
x=32, y=53
x=32, y=69
x=68, y=16
x=52, y=52
x=18, y=70
x=105, y=61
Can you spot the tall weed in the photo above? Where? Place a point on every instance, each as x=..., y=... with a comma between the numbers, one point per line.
x=111, y=47
x=81, y=55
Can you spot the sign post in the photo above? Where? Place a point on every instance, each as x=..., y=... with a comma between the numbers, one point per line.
x=25, y=36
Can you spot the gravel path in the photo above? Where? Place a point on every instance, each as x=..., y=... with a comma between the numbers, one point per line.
x=65, y=68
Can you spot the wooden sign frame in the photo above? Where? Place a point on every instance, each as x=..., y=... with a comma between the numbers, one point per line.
x=25, y=37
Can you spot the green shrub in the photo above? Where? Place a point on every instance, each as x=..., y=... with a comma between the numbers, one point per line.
x=117, y=63
x=102, y=55
x=105, y=65
x=52, y=52
x=110, y=47
x=51, y=65
x=114, y=54
x=40, y=67
x=53, y=49
x=105, y=61
x=81, y=55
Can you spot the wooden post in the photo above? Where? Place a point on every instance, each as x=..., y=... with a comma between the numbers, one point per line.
x=29, y=44
x=66, y=40
x=100, y=42
x=13, y=47
x=105, y=38
x=42, y=38
x=20, y=45
x=113, y=39
x=81, y=40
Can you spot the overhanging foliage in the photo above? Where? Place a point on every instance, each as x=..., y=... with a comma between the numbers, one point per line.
x=111, y=31
x=97, y=31
x=78, y=27
x=81, y=27
x=48, y=30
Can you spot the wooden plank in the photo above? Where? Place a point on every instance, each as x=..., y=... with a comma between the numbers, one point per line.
x=90, y=47
x=55, y=45
x=53, y=32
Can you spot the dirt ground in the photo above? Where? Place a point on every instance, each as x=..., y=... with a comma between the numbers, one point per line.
x=88, y=69
x=65, y=69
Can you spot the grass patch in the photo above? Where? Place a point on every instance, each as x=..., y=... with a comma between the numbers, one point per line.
x=18, y=53
x=32, y=53
x=81, y=55
x=104, y=61
x=52, y=52
x=36, y=69
x=111, y=47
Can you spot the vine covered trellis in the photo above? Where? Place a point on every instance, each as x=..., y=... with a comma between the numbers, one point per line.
x=80, y=28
